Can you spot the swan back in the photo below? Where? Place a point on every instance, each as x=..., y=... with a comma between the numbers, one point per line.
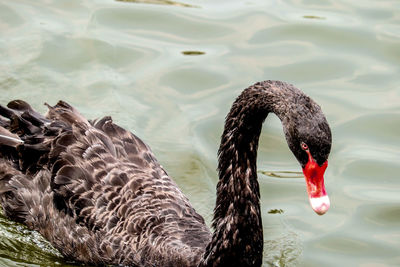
x=113, y=201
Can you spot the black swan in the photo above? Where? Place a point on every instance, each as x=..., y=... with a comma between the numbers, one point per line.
x=97, y=193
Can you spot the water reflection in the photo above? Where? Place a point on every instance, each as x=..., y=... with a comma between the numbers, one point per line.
x=25, y=246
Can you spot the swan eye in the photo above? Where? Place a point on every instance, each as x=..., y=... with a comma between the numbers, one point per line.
x=304, y=146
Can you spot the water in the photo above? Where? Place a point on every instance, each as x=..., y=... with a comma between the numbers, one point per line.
x=169, y=72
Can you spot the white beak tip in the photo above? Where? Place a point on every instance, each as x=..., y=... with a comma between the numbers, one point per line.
x=320, y=204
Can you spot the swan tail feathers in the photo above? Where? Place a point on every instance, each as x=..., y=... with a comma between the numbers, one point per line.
x=9, y=139
x=63, y=111
x=41, y=183
x=23, y=153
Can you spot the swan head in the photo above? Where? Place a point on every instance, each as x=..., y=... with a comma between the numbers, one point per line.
x=309, y=137
x=314, y=166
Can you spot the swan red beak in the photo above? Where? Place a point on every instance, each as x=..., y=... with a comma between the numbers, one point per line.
x=317, y=195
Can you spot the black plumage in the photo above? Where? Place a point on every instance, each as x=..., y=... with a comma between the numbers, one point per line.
x=98, y=194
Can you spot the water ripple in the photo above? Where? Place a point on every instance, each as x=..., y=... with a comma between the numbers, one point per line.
x=159, y=2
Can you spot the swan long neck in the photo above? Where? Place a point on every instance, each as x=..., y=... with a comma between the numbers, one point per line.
x=238, y=236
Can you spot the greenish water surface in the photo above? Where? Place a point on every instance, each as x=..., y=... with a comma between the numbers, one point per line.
x=169, y=71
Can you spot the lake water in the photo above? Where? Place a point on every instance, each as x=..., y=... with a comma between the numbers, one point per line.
x=169, y=71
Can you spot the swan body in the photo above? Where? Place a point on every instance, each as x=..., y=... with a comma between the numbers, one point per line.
x=98, y=194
